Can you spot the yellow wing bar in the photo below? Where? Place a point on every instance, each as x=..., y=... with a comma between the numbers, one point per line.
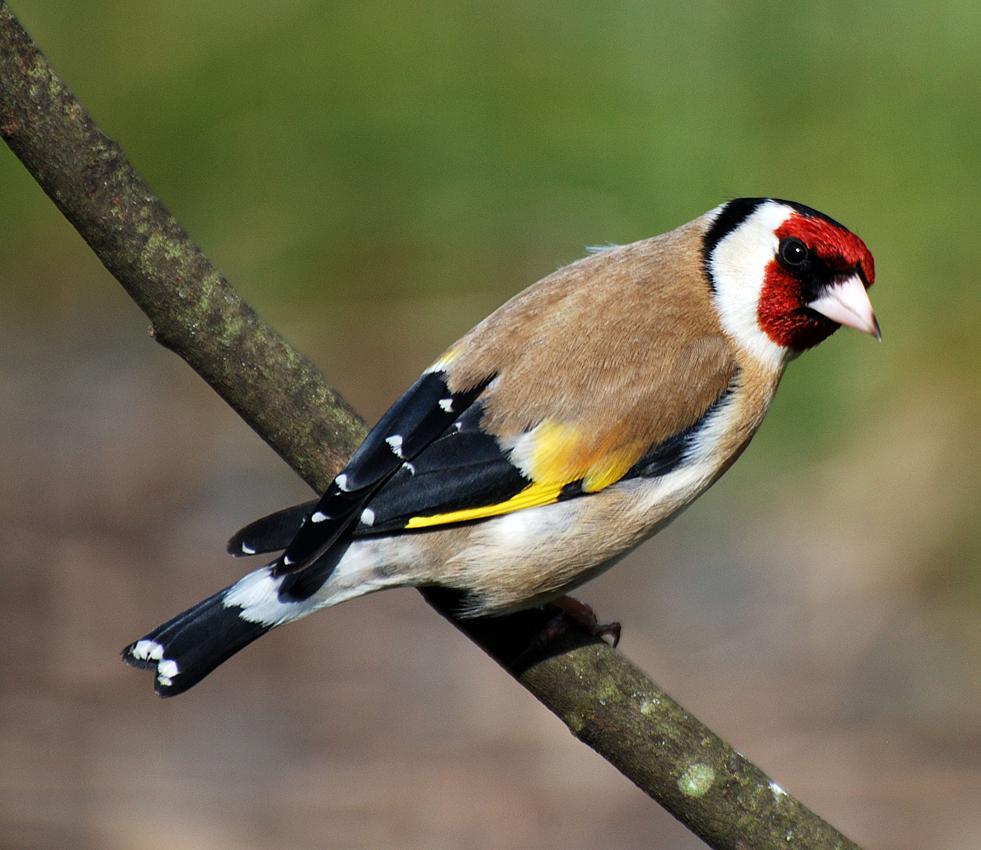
x=532, y=496
x=559, y=455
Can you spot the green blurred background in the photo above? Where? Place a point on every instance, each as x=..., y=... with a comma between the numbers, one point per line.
x=374, y=178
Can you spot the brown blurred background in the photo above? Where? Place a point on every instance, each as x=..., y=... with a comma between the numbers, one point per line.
x=375, y=179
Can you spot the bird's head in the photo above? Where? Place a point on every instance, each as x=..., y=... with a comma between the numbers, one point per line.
x=785, y=276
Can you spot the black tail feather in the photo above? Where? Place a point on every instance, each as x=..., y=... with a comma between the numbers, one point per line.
x=188, y=647
x=271, y=533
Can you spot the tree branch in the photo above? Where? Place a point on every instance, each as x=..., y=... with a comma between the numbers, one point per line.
x=604, y=700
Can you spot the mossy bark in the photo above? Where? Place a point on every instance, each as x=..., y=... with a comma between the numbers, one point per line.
x=605, y=700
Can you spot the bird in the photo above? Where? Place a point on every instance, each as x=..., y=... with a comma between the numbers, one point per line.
x=567, y=427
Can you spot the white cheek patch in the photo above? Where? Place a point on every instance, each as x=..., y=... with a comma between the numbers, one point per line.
x=738, y=267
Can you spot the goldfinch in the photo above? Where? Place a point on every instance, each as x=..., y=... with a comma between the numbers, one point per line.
x=568, y=426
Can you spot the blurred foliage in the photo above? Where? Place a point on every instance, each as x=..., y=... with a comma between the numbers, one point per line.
x=335, y=154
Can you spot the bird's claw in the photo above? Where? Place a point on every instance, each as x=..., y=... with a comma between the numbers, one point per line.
x=583, y=616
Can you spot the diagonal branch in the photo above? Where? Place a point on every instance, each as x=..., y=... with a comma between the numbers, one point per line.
x=604, y=699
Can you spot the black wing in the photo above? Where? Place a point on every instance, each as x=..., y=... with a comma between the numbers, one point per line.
x=271, y=533
x=418, y=418
x=463, y=474
x=466, y=468
x=462, y=468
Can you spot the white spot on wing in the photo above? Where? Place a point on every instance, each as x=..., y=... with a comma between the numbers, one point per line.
x=395, y=444
x=246, y=549
x=319, y=516
x=341, y=482
x=408, y=467
x=446, y=404
x=368, y=516
x=288, y=561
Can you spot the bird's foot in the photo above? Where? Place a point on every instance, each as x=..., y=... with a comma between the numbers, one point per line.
x=582, y=615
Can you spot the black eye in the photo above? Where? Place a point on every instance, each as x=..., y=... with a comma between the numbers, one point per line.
x=792, y=253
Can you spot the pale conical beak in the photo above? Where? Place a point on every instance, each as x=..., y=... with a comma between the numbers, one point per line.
x=847, y=303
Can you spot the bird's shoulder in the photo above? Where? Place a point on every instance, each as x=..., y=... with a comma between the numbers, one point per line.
x=602, y=339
